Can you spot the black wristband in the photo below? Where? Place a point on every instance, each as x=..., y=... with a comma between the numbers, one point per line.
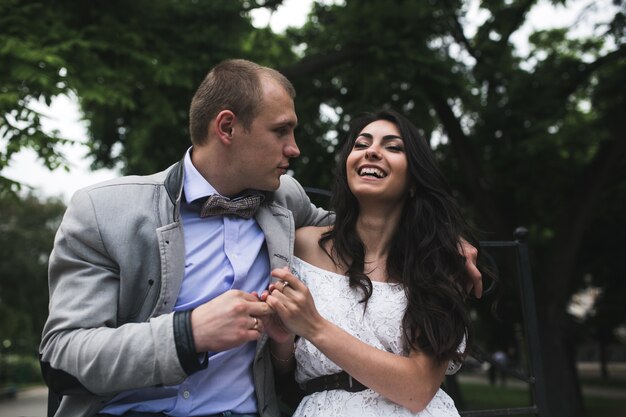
x=185, y=347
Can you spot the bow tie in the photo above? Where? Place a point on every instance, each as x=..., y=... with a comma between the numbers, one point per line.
x=244, y=207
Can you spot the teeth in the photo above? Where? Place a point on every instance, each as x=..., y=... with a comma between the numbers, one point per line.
x=372, y=171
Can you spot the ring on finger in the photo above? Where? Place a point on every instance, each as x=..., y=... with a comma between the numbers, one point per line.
x=256, y=324
x=285, y=285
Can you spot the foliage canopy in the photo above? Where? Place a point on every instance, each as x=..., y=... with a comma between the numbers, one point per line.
x=530, y=138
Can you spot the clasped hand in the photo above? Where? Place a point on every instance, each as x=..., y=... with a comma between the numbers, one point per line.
x=285, y=309
x=236, y=317
x=294, y=308
x=228, y=321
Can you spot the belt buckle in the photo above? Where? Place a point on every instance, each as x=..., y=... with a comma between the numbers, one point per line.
x=351, y=385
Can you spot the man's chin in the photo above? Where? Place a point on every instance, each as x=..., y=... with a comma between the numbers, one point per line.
x=269, y=187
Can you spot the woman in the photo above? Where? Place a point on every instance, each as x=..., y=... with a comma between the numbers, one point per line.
x=387, y=279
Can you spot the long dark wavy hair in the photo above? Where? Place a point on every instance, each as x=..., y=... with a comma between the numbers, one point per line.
x=423, y=256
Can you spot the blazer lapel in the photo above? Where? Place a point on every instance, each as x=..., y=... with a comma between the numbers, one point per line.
x=172, y=252
x=278, y=226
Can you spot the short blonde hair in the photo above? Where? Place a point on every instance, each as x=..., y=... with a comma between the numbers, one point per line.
x=233, y=85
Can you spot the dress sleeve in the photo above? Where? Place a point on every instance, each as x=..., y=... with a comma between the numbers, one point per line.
x=454, y=366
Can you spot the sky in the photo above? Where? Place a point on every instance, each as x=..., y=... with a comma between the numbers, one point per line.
x=64, y=116
x=64, y=113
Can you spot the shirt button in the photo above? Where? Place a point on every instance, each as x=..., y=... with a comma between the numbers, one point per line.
x=186, y=394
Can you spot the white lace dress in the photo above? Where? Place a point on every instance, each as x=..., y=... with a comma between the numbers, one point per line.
x=381, y=327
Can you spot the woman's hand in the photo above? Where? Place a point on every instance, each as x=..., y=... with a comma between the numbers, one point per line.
x=410, y=381
x=273, y=325
x=470, y=253
x=276, y=329
x=291, y=300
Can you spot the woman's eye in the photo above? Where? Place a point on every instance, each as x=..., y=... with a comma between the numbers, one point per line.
x=360, y=145
x=395, y=148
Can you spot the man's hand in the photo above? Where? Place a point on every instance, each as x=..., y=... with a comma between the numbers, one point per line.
x=475, y=281
x=273, y=325
x=227, y=321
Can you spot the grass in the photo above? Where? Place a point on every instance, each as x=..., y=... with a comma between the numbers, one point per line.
x=481, y=396
x=605, y=407
x=608, y=383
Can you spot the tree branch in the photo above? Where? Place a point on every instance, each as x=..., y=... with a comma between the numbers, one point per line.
x=487, y=207
x=516, y=16
x=457, y=31
x=315, y=63
x=507, y=20
x=269, y=4
x=585, y=71
x=577, y=212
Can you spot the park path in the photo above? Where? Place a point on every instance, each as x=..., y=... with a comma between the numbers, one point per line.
x=31, y=402
x=601, y=392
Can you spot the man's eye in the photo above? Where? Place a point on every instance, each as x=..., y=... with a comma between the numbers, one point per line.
x=282, y=131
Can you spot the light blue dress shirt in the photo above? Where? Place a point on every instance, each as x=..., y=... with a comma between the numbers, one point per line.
x=221, y=253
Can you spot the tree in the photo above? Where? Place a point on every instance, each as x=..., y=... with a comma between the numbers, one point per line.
x=527, y=138
x=134, y=67
x=27, y=228
x=31, y=71
x=531, y=140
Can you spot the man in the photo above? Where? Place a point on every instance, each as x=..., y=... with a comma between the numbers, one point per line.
x=153, y=307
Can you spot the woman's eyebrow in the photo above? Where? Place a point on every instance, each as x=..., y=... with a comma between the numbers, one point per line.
x=391, y=137
x=385, y=138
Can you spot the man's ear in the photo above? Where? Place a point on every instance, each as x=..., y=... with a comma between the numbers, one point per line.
x=224, y=126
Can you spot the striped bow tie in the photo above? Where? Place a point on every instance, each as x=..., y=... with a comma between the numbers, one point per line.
x=244, y=207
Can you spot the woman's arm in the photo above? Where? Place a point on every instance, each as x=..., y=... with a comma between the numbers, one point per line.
x=283, y=357
x=409, y=381
x=282, y=341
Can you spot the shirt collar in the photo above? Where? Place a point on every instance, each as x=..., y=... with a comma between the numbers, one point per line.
x=195, y=186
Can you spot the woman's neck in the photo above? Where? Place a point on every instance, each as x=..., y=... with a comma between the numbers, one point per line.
x=376, y=231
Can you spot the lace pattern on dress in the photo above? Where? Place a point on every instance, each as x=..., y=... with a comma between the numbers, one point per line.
x=380, y=325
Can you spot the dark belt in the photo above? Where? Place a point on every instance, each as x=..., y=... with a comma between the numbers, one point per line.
x=342, y=380
x=147, y=414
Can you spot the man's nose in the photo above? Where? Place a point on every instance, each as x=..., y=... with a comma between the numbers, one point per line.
x=291, y=149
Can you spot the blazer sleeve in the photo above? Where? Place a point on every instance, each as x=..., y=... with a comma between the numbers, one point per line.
x=82, y=347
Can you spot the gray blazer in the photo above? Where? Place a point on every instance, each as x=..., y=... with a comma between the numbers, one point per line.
x=114, y=276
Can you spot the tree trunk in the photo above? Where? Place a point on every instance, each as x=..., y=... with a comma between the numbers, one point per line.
x=604, y=369
x=559, y=359
x=453, y=389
